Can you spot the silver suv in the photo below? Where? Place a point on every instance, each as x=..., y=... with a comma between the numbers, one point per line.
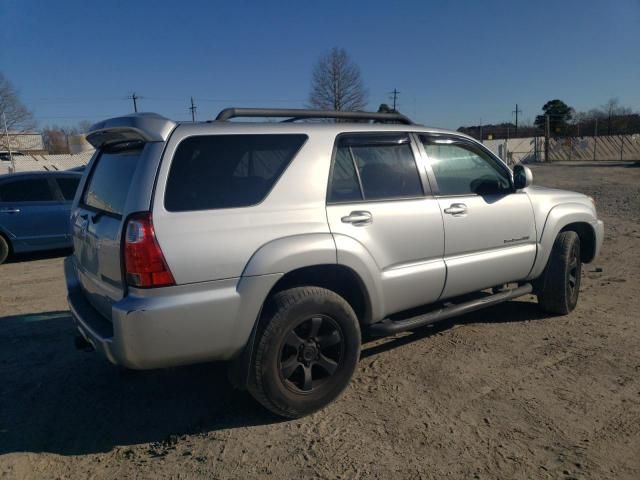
x=278, y=246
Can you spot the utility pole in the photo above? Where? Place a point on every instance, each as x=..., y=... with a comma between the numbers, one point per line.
x=516, y=111
x=547, y=132
x=193, y=109
x=6, y=132
x=395, y=94
x=135, y=99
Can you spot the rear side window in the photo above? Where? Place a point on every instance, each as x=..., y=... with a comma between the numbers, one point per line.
x=110, y=181
x=227, y=171
x=379, y=170
x=27, y=190
x=68, y=186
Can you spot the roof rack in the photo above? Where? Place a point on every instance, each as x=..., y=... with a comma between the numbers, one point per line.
x=293, y=114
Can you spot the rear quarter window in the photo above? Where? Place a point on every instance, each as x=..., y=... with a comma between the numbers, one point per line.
x=227, y=171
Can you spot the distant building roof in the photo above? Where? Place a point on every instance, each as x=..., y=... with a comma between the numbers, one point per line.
x=35, y=162
x=22, y=142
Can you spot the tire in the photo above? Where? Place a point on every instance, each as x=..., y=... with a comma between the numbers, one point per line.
x=306, y=351
x=559, y=284
x=5, y=249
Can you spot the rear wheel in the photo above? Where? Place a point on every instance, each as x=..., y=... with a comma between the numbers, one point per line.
x=306, y=351
x=4, y=249
x=559, y=285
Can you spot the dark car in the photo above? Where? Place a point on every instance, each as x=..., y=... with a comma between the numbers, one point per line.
x=34, y=211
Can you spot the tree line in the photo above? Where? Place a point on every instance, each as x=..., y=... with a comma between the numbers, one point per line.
x=560, y=120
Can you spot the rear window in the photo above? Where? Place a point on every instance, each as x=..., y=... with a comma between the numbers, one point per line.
x=227, y=171
x=110, y=181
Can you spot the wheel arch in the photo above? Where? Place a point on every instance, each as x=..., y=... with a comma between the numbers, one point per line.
x=587, y=236
x=576, y=217
x=335, y=277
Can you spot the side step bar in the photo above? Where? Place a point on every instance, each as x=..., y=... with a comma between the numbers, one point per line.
x=391, y=327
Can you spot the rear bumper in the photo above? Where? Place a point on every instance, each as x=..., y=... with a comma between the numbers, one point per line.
x=174, y=325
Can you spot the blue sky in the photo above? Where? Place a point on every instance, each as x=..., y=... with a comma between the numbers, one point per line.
x=454, y=62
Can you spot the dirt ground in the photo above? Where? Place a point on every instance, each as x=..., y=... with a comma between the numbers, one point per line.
x=502, y=393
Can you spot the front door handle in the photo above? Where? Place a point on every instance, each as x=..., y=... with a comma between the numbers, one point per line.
x=456, y=209
x=358, y=218
x=9, y=210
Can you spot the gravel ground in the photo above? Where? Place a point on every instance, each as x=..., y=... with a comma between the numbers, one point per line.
x=502, y=393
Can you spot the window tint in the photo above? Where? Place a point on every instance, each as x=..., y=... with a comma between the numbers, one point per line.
x=461, y=169
x=110, y=180
x=28, y=190
x=386, y=171
x=227, y=171
x=68, y=186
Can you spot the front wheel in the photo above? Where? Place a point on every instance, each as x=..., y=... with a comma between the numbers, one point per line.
x=559, y=285
x=306, y=351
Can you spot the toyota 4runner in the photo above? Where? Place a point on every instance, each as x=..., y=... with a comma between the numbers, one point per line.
x=277, y=246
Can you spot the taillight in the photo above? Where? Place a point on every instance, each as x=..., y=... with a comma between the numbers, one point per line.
x=144, y=263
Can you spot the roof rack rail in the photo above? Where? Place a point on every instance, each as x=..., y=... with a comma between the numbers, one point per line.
x=293, y=114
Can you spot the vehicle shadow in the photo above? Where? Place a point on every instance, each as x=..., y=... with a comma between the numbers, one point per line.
x=56, y=399
x=508, y=312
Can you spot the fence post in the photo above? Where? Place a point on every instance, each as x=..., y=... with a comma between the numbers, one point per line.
x=621, y=146
x=570, y=148
x=595, y=140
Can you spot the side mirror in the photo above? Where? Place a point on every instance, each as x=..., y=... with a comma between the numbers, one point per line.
x=522, y=177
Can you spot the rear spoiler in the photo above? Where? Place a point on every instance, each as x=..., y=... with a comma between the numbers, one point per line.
x=145, y=127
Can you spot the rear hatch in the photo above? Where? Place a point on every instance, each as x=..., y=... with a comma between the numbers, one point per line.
x=119, y=182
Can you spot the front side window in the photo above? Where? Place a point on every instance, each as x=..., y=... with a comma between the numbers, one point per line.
x=374, y=171
x=227, y=171
x=27, y=190
x=463, y=169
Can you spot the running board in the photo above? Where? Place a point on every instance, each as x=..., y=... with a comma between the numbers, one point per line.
x=391, y=327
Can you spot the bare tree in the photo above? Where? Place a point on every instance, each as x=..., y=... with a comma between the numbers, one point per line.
x=337, y=84
x=18, y=117
x=82, y=127
x=55, y=139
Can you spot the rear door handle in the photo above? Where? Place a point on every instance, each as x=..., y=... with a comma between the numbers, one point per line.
x=456, y=209
x=358, y=217
x=9, y=210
